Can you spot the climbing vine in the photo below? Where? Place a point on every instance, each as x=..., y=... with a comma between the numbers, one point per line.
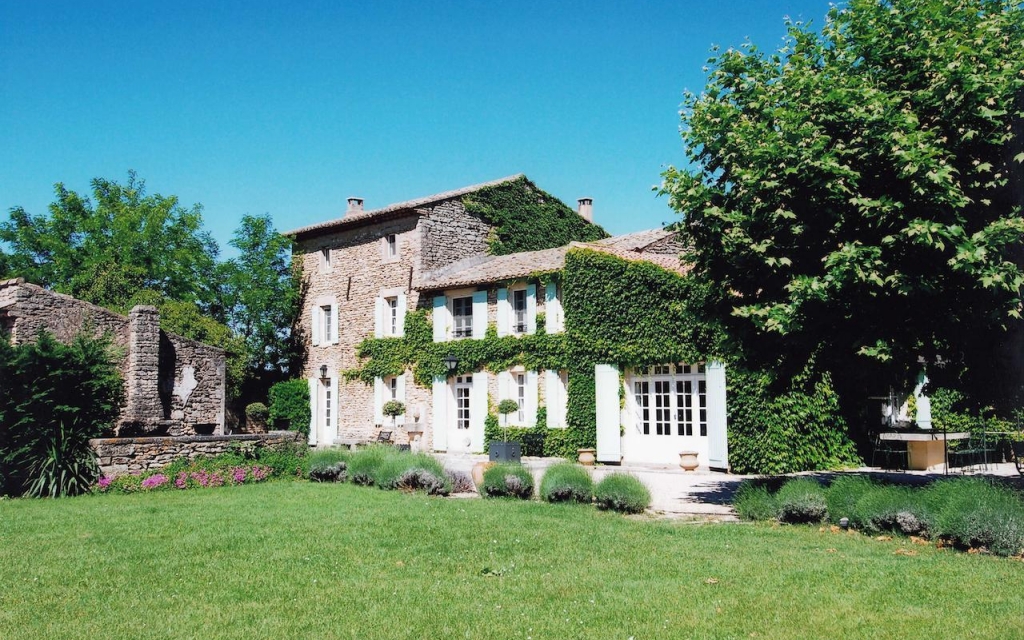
x=632, y=313
x=528, y=219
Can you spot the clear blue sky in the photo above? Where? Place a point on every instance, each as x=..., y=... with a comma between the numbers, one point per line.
x=288, y=108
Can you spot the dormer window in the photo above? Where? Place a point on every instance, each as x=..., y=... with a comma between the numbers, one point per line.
x=462, y=317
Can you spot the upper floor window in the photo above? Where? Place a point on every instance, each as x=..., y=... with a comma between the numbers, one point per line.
x=328, y=326
x=462, y=317
x=519, y=311
x=324, y=321
x=520, y=381
x=325, y=259
x=391, y=309
x=390, y=247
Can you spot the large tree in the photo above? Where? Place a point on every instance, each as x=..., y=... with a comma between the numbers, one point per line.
x=855, y=195
x=106, y=249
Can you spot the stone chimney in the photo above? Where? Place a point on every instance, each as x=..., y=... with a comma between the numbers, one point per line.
x=355, y=205
x=586, y=209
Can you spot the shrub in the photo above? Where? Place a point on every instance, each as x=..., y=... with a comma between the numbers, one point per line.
x=755, y=502
x=622, y=492
x=412, y=471
x=507, y=480
x=257, y=411
x=289, y=401
x=897, y=509
x=801, y=500
x=566, y=482
x=53, y=399
x=364, y=464
x=284, y=460
x=327, y=465
x=461, y=482
x=843, y=494
x=974, y=512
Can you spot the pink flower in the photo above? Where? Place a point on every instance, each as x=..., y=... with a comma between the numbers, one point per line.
x=216, y=480
x=259, y=473
x=182, y=480
x=104, y=483
x=238, y=475
x=154, y=481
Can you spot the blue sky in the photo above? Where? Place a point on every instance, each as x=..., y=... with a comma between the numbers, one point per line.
x=289, y=108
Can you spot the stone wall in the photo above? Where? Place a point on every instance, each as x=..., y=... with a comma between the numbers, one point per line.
x=118, y=456
x=173, y=385
x=449, y=233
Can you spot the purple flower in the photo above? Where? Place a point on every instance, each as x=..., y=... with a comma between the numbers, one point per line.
x=238, y=475
x=154, y=481
x=202, y=477
x=216, y=480
x=259, y=473
x=182, y=480
x=104, y=483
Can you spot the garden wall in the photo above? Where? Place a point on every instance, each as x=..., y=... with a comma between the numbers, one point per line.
x=125, y=455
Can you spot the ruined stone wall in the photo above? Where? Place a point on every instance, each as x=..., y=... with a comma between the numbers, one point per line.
x=449, y=233
x=173, y=385
x=117, y=456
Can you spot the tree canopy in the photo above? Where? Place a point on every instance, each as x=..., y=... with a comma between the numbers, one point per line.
x=855, y=195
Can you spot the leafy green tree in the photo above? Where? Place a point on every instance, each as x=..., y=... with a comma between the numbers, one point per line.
x=260, y=300
x=108, y=251
x=855, y=196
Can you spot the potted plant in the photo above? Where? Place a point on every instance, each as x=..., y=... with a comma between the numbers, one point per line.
x=506, y=451
x=393, y=409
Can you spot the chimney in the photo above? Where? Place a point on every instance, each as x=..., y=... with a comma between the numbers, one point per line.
x=355, y=205
x=586, y=209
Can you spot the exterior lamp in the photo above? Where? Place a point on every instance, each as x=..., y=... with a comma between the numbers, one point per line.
x=452, y=363
x=323, y=372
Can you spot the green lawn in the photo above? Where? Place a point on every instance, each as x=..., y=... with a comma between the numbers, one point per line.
x=299, y=560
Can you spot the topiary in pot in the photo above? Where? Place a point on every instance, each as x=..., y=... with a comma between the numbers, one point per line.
x=506, y=407
x=393, y=409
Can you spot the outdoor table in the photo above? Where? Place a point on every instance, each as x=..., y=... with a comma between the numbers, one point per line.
x=926, y=448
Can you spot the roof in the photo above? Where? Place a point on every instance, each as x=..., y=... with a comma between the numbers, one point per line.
x=406, y=207
x=486, y=269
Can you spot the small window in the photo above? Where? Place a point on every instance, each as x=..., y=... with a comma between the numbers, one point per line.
x=391, y=319
x=390, y=246
x=521, y=398
x=462, y=316
x=519, y=311
x=327, y=328
x=392, y=382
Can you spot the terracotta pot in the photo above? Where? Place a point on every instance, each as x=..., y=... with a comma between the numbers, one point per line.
x=688, y=460
x=587, y=456
x=478, y=472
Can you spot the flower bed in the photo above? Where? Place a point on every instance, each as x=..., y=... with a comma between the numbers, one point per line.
x=194, y=477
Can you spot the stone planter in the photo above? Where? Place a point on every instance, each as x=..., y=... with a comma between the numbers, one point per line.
x=688, y=460
x=478, y=472
x=587, y=456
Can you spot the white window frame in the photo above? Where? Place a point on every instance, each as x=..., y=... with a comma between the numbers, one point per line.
x=660, y=391
x=324, y=260
x=389, y=247
x=508, y=321
x=324, y=321
x=520, y=386
x=467, y=330
x=553, y=311
x=389, y=313
x=385, y=389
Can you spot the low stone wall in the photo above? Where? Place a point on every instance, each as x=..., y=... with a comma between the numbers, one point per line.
x=126, y=455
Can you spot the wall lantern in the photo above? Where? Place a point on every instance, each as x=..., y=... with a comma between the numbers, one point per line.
x=452, y=363
x=323, y=372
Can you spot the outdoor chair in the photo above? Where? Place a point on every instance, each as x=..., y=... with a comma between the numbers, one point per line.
x=976, y=454
x=384, y=436
x=890, y=454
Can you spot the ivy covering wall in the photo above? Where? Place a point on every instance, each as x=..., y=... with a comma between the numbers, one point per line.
x=631, y=313
x=526, y=218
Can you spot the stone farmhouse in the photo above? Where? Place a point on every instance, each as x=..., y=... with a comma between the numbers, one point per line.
x=173, y=386
x=362, y=274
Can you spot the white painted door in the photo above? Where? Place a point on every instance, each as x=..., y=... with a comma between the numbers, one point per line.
x=668, y=408
x=460, y=418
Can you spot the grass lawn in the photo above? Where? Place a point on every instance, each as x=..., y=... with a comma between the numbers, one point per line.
x=301, y=560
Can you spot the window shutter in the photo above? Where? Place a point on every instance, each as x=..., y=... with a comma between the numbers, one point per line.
x=531, y=309
x=314, y=324
x=378, y=317
x=332, y=434
x=504, y=312
x=554, y=398
x=334, y=323
x=553, y=307
x=504, y=386
x=606, y=388
x=530, y=406
x=440, y=319
x=313, y=384
x=400, y=396
x=439, y=420
x=477, y=411
x=479, y=314
x=378, y=401
x=400, y=329
x=718, y=442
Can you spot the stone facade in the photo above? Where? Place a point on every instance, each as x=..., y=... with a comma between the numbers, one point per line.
x=117, y=456
x=173, y=385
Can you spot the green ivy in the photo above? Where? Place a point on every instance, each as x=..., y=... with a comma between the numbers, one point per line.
x=528, y=219
x=630, y=313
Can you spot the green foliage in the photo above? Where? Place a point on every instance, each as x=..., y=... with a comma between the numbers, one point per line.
x=53, y=399
x=393, y=408
x=567, y=482
x=533, y=440
x=527, y=219
x=843, y=495
x=256, y=411
x=894, y=509
x=289, y=401
x=412, y=472
x=107, y=249
x=622, y=492
x=753, y=501
x=507, y=481
x=364, y=465
x=801, y=500
x=507, y=406
x=850, y=197
x=773, y=431
x=977, y=513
